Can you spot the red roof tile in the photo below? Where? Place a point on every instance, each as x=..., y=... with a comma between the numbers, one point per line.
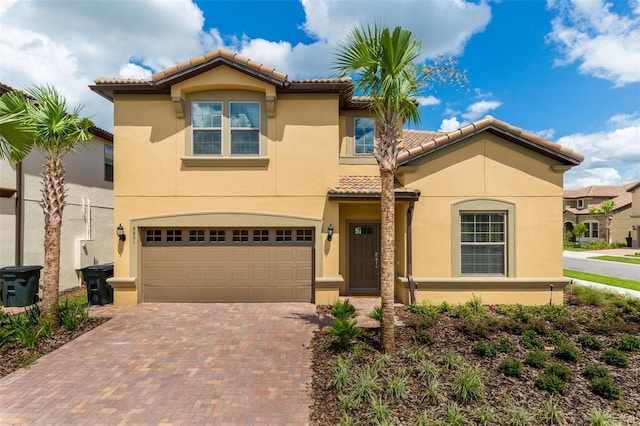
x=364, y=185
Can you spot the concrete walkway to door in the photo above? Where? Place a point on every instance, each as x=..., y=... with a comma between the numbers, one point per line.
x=218, y=364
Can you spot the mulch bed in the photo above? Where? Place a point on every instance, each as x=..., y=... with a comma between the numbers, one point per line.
x=501, y=392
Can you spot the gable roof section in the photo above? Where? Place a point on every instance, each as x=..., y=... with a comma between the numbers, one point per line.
x=419, y=144
x=162, y=81
x=94, y=130
x=619, y=194
x=367, y=188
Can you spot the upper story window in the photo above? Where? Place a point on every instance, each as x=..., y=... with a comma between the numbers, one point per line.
x=108, y=163
x=226, y=128
x=581, y=204
x=206, y=119
x=364, y=135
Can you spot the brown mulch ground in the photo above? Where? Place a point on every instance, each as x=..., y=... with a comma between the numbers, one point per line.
x=501, y=393
x=14, y=356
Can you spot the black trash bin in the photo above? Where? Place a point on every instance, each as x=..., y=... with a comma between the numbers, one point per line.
x=20, y=285
x=99, y=292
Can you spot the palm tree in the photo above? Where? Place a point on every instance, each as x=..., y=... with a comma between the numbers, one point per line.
x=606, y=209
x=16, y=130
x=385, y=67
x=57, y=133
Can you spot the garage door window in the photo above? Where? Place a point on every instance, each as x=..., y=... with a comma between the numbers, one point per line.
x=217, y=236
x=154, y=235
x=174, y=235
x=283, y=236
x=304, y=235
x=196, y=236
x=240, y=235
x=260, y=235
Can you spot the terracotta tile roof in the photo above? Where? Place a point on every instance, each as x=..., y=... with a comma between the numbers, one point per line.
x=433, y=141
x=619, y=194
x=413, y=138
x=364, y=185
x=220, y=53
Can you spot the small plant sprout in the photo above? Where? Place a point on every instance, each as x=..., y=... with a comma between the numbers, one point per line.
x=519, y=416
x=486, y=416
x=416, y=353
x=451, y=360
x=551, y=413
x=454, y=415
x=427, y=370
x=340, y=379
x=380, y=411
x=432, y=391
x=397, y=385
x=467, y=385
x=601, y=418
x=376, y=314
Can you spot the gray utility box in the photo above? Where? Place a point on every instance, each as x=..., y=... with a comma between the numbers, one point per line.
x=20, y=285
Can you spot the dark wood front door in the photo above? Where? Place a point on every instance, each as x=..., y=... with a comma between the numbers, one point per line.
x=364, y=258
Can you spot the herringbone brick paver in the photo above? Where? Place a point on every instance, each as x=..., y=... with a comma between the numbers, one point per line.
x=219, y=364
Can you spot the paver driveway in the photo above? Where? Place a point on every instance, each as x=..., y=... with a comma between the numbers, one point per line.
x=221, y=364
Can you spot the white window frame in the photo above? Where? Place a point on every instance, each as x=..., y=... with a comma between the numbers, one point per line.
x=355, y=139
x=208, y=128
x=494, y=236
x=252, y=129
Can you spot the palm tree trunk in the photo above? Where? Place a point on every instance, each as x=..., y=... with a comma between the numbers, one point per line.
x=387, y=278
x=53, y=201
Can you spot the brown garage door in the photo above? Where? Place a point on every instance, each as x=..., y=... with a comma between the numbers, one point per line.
x=226, y=264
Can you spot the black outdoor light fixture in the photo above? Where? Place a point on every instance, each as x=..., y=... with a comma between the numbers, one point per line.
x=120, y=233
x=329, y=232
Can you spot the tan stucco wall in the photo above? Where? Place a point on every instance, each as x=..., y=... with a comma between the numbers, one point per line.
x=486, y=167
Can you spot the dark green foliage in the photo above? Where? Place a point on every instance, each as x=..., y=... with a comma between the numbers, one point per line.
x=530, y=340
x=615, y=357
x=567, y=352
x=511, y=367
x=72, y=314
x=539, y=326
x=628, y=343
x=567, y=325
x=553, y=312
x=512, y=326
x=536, y=359
x=344, y=330
x=343, y=309
x=592, y=371
x=376, y=314
x=551, y=384
x=478, y=328
x=556, y=338
x=590, y=342
x=560, y=370
x=484, y=348
x=505, y=346
x=605, y=387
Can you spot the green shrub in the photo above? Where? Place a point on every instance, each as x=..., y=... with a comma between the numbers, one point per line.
x=376, y=314
x=340, y=379
x=592, y=371
x=476, y=328
x=416, y=353
x=539, y=326
x=567, y=325
x=512, y=326
x=567, y=352
x=615, y=357
x=428, y=370
x=423, y=336
x=344, y=331
x=343, y=309
x=454, y=415
x=551, y=413
x=505, y=346
x=398, y=385
x=536, y=359
x=560, y=370
x=556, y=338
x=72, y=314
x=551, y=384
x=24, y=331
x=553, y=312
x=511, y=367
x=530, y=340
x=451, y=360
x=590, y=342
x=605, y=387
x=486, y=416
x=484, y=348
x=628, y=343
x=601, y=418
x=467, y=385
x=366, y=385
x=380, y=412
x=518, y=416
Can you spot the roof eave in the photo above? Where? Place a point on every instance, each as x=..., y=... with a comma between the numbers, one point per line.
x=399, y=196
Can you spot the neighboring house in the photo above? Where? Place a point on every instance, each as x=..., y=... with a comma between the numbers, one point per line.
x=577, y=205
x=87, y=229
x=234, y=183
x=635, y=213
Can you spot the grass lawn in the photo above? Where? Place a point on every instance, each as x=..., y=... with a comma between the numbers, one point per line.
x=616, y=282
x=633, y=260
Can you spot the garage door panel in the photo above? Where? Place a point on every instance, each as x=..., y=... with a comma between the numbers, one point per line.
x=226, y=272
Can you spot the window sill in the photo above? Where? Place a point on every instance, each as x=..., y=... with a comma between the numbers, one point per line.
x=360, y=159
x=205, y=161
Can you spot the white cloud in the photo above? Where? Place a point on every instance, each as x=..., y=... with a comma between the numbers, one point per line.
x=480, y=109
x=134, y=71
x=606, y=44
x=545, y=133
x=449, y=125
x=612, y=156
x=428, y=100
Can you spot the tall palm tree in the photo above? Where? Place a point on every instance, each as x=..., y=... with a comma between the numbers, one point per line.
x=16, y=129
x=58, y=132
x=384, y=63
x=606, y=210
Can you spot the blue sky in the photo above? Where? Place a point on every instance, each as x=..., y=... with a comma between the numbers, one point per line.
x=566, y=70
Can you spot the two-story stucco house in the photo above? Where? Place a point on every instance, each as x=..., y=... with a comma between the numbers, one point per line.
x=578, y=204
x=234, y=183
x=87, y=229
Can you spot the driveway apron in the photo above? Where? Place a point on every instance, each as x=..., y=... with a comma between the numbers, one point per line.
x=220, y=364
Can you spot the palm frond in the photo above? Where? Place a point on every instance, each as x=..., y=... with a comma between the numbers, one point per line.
x=16, y=129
